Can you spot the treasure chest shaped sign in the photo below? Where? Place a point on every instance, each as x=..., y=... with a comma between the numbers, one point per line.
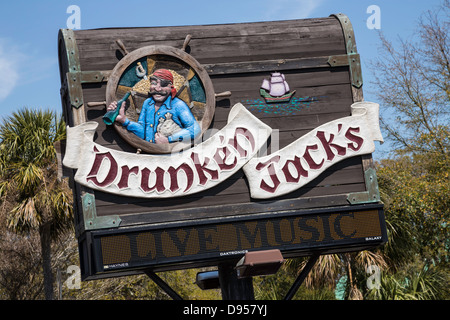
x=190, y=145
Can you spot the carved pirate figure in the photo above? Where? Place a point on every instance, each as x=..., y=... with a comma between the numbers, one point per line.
x=163, y=118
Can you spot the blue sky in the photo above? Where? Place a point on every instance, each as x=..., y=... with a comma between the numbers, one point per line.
x=29, y=74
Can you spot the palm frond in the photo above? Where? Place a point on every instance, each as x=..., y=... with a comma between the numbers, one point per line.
x=325, y=272
x=28, y=170
x=28, y=176
x=24, y=216
x=364, y=259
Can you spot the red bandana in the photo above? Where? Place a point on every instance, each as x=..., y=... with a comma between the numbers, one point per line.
x=163, y=74
x=166, y=75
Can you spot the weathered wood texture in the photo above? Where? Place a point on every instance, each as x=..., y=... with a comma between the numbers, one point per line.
x=234, y=56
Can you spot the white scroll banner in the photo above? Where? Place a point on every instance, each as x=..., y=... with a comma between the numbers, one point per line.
x=295, y=165
x=160, y=176
x=219, y=157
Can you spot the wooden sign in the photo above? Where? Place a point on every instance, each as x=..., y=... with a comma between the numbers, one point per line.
x=224, y=139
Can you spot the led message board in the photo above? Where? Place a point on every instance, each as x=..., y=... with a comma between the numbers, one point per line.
x=292, y=233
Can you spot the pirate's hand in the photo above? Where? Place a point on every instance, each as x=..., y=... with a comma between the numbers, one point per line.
x=160, y=139
x=121, y=117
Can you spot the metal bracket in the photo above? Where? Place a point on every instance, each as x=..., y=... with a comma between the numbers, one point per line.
x=371, y=195
x=95, y=76
x=76, y=78
x=349, y=34
x=74, y=88
x=91, y=220
x=302, y=276
x=163, y=285
x=353, y=59
x=73, y=77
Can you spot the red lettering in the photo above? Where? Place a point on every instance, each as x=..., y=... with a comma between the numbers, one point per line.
x=221, y=161
x=201, y=169
x=112, y=173
x=234, y=142
x=356, y=139
x=174, y=177
x=272, y=174
x=327, y=145
x=298, y=167
x=311, y=163
x=159, y=182
x=126, y=171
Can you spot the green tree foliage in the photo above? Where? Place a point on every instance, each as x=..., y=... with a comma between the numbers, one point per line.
x=30, y=191
x=414, y=181
x=415, y=192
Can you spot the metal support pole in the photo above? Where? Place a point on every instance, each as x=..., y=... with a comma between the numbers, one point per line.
x=301, y=277
x=163, y=285
x=231, y=286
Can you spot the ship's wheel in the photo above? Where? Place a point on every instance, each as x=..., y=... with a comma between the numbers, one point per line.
x=190, y=79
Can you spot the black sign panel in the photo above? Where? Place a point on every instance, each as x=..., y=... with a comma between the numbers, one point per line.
x=295, y=233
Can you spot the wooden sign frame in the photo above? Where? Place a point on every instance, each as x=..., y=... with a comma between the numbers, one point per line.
x=323, y=68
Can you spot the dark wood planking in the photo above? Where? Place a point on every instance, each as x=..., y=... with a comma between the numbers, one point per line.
x=220, y=209
x=327, y=107
x=211, y=52
x=302, y=29
x=211, y=44
x=179, y=204
x=306, y=78
x=216, y=44
x=282, y=42
x=322, y=83
x=201, y=208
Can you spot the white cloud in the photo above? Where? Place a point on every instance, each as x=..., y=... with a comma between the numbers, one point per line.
x=19, y=69
x=292, y=9
x=9, y=64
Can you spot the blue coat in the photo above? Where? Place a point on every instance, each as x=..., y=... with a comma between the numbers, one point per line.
x=148, y=120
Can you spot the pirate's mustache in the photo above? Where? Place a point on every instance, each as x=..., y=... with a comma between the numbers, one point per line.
x=162, y=93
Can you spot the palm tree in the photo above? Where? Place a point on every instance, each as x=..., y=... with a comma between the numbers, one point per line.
x=28, y=179
x=330, y=268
